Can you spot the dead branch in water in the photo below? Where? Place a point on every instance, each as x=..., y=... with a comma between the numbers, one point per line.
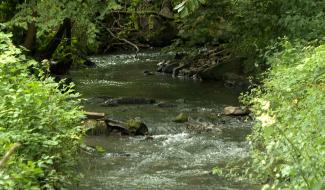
x=124, y=40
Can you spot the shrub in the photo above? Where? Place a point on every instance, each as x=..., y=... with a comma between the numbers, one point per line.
x=258, y=24
x=36, y=114
x=288, y=140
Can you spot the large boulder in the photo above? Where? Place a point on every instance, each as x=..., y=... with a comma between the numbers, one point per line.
x=96, y=127
x=130, y=127
x=136, y=127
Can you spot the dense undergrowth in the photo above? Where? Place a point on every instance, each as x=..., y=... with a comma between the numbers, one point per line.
x=40, y=119
x=288, y=140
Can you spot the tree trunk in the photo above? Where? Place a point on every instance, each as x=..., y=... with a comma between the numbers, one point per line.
x=30, y=36
x=55, y=42
x=68, y=31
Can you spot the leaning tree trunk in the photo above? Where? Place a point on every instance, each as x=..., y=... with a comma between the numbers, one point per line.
x=68, y=30
x=65, y=28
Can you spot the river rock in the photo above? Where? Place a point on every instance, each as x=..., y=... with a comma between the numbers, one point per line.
x=89, y=63
x=166, y=105
x=136, y=127
x=127, y=101
x=199, y=126
x=130, y=127
x=110, y=103
x=181, y=101
x=135, y=101
x=169, y=67
x=162, y=65
x=181, y=118
x=149, y=138
x=187, y=72
x=179, y=56
x=117, y=154
x=96, y=127
x=236, y=111
x=147, y=73
x=177, y=69
x=60, y=67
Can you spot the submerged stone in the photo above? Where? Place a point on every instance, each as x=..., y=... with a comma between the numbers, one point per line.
x=127, y=101
x=166, y=105
x=147, y=73
x=181, y=118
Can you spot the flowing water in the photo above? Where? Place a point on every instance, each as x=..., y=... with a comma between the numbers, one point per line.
x=175, y=157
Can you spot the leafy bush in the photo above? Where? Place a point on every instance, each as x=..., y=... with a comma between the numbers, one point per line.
x=288, y=140
x=258, y=24
x=201, y=22
x=36, y=114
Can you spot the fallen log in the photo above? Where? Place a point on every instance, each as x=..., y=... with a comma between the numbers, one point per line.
x=95, y=115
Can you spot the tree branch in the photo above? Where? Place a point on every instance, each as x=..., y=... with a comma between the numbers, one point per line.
x=123, y=39
x=7, y=156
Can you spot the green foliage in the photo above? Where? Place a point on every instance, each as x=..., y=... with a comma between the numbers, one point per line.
x=251, y=26
x=7, y=9
x=258, y=24
x=186, y=7
x=36, y=114
x=204, y=24
x=71, y=52
x=288, y=140
x=48, y=15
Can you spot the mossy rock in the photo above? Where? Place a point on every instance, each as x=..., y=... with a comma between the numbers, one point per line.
x=181, y=118
x=136, y=127
x=95, y=127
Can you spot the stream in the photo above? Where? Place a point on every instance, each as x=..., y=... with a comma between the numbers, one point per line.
x=175, y=157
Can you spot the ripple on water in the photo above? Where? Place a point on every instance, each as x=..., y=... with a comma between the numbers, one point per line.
x=104, y=83
x=175, y=158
